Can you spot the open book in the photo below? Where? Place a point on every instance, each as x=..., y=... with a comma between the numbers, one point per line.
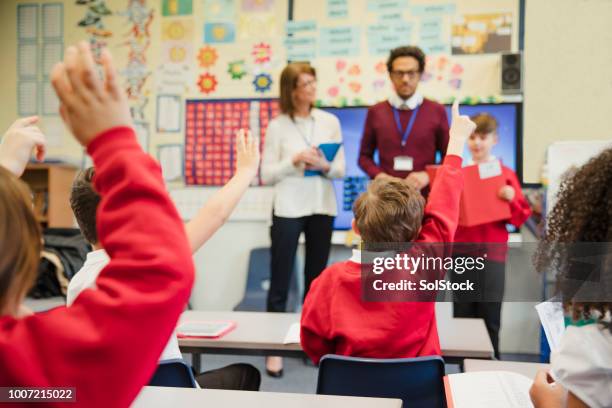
x=485, y=389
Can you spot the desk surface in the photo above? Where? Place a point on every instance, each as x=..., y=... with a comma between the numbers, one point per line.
x=266, y=331
x=526, y=369
x=153, y=397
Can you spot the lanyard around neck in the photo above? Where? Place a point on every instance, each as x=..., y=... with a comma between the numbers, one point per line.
x=404, y=135
x=307, y=140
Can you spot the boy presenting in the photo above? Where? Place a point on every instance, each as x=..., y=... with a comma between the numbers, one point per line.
x=491, y=278
x=335, y=319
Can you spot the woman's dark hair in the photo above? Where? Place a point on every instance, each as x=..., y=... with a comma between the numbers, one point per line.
x=407, y=51
x=580, y=226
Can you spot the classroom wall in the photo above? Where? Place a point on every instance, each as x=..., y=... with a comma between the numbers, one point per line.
x=568, y=76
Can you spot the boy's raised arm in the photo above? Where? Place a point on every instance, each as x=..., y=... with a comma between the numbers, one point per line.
x=442, y=209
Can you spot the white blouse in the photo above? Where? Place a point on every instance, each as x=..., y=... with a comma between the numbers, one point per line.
x=583, y=364
x=295, y=195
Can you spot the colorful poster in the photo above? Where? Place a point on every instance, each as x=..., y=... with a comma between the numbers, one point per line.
x=176, y=7
x=482, y=34
x=219, y=33
x=210, y=132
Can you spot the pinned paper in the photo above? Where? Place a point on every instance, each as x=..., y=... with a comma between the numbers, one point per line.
x=50, y=102
x=482, y=34
x=339, y=41
x=27, y=98
x=387, y=6
x=207, y=56
x=455, y=83
x=219, y=33
x=262, y=53
x=177, y=30
x=171, y=161
x=354, y=70
x=378, y=85
x=168, y=113
x=177, y=7
x=432, y=10
x=262, y=82
x=219, y=9
x=257, y=5
x=207, y=83
x=177, y=52
x=333, y=91
x=52, y=21
x=340, y=65
x=294, y=27
x=381, y=68
x=337, y=9
x=236, y=69
x=355, y=87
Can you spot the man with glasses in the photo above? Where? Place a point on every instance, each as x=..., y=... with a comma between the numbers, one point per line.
x=406, y=130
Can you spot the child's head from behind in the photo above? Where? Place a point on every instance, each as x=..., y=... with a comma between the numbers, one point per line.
x=581, y=215
x=389, y=211
x=20, y=242
x=84, y=200
x=484, y=137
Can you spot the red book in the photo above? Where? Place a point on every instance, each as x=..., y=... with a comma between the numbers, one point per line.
x=480, y=203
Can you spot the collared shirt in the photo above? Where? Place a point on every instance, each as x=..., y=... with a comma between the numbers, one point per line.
x=411, y=103
x=86, y=277
x=294, y=194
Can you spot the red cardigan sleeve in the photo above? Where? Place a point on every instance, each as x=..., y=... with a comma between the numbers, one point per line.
x=442, y=209
x=519, y=207
x=107, y=343
x=315, y=325
x=368, y=148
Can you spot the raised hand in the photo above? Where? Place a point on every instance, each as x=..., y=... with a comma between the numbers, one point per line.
x=88, y=104
x=18, y=143
x=247, y=152
x=461, y=128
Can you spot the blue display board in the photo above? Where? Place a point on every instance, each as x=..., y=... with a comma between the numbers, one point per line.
x=352, y=120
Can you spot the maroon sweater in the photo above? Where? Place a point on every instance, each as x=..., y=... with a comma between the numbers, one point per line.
x=429, y=134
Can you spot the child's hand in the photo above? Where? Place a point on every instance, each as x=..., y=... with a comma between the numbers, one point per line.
x=89, y=105
x=247, y=152
x=461, y=128
x=417, y=179
x=546, y=394
x=506, y=193
x=18, y=142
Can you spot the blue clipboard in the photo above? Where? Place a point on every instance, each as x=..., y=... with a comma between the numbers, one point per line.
x=329, y=150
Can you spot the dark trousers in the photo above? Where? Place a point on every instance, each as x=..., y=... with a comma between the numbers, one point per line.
x=285, y=233
x=486, y=302
x=241, y=377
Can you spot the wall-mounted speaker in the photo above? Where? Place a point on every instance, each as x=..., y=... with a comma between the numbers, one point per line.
x=511, y=73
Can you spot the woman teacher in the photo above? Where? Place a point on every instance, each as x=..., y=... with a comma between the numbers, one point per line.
x=294, y=161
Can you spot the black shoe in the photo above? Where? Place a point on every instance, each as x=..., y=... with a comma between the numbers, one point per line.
x=275, y=374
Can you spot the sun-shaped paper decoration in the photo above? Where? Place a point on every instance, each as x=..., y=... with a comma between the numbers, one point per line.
x=207, y=56
x=207, y=83
x=262, y=53
x=236, y=69
x=262, y=83
x=177, y=54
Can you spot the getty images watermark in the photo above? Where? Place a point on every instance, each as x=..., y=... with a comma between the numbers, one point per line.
x=482, y=272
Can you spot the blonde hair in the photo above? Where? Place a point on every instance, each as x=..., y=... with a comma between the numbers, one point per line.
x=20, y=240
x=389, y=211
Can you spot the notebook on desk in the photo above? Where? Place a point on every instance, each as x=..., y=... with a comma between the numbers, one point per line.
x=204, y=329
x=485, y=389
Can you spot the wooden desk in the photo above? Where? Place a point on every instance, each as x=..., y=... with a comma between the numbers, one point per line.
x=527, y=369
x=154, y=397
x=258, y=333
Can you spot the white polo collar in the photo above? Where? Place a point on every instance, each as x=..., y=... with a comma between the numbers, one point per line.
x=411, y=103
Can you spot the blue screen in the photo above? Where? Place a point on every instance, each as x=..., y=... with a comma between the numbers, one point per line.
x=355, y=181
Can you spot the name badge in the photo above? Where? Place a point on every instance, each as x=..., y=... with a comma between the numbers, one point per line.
x=402, y=163
x=489, y=169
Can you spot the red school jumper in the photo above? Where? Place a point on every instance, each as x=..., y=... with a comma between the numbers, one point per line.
x=496, y=232
x=335, y=320
x=107, y=344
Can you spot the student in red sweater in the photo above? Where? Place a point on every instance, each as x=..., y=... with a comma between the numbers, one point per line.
x=488, y=304
x=335, y=319
x=107, y=344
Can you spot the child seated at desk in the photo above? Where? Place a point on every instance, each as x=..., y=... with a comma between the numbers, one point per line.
x=84, y=201
x=335, y=319
x=580, y=225
x=105, y=347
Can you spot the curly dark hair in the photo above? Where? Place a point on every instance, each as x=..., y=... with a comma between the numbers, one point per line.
x=582, y=214
x=407, y=51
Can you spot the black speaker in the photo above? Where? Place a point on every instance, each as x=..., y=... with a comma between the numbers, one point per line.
x=511, y=73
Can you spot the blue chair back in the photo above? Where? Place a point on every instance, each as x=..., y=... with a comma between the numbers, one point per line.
x=173, y=373
x=418, y=382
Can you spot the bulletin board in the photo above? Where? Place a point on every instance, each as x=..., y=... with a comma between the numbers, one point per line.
x=349, y=43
